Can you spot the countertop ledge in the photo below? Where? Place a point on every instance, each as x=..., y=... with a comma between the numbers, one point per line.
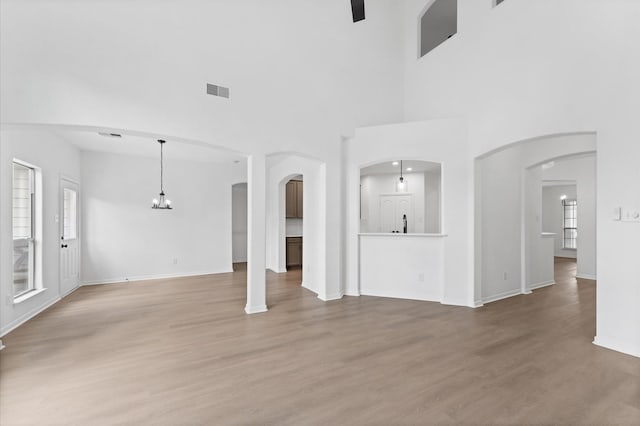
x=389, y=234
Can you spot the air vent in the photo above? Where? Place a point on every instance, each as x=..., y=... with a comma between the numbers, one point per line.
x=214, y=90
x=110, y=135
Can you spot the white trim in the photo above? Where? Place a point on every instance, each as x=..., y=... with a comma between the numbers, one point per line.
x=70, y=291
x=476, y=304
x=614, y=345
x=255, y=309
x=1, y=345
x=278, y=270
x=541, y=285
x=121, y=280
x=352, y=293
x=404, y=296
x=28, y=295
x=390, y=234
x=26, y=317
x=335, y=296
x=304, y=285
x=587, y=277
x=503, y=295
x=455, y=302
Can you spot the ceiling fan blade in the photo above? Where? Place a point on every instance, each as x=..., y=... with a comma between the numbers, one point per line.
x=357, y=9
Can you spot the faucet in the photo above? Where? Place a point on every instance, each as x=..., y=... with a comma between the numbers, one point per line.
x=404, y=222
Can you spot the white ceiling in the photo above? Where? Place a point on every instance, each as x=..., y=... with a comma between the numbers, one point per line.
x=387, y=168
x=148, y=147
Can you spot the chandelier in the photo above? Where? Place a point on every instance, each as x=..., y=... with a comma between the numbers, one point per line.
x=162, y=202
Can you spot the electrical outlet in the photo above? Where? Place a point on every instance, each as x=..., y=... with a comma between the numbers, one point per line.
x=504, y=276
x=175, y=260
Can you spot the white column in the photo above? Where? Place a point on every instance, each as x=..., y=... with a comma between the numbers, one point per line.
x=256, y=241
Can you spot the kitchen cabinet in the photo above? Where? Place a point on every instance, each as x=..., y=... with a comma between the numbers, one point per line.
x=294, y=251
x=294, y=190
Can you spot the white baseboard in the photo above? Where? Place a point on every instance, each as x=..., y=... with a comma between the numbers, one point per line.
x=455, y=302
x=328, y=298
x=477, y=304
x=587, y=277
x=26, y=317
x=500, y=296
x=1, y=345
x=120, y=280
x=255, y=309
x=405, y=296
x=304, y=285
x=617, y=346
x=541, y=285
x=352, y=293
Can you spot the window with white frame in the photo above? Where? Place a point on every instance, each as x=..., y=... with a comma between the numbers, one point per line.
x=570, y=224
x=24, y=231
x=438, y=23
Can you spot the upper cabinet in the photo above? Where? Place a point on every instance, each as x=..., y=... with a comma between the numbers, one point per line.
x=294, y=199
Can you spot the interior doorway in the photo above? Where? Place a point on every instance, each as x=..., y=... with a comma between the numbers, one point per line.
x=294, y=217
x=560, y=219
x=239, y=225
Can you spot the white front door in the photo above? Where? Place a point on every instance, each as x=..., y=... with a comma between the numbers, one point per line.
x=69, y=236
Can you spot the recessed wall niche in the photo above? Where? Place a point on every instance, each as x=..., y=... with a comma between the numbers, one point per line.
x=386, y=201
x=438, y=23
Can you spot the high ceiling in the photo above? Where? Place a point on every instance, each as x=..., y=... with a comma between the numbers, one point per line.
x=147, y=147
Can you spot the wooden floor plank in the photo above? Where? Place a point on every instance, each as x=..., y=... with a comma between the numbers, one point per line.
x=182, y=351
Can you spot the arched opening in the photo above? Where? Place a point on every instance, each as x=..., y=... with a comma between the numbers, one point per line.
x=296, y=221
x=401, y=250
x=516, y=246
x=401, y=196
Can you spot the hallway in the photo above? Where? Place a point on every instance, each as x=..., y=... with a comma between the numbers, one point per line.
x=181, y=350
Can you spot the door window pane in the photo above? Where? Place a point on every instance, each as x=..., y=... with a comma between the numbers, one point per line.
x=70, y=231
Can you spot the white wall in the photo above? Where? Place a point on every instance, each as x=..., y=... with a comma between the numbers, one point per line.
x=583, y=171
x=239, y=211
x=123, y=238
x=441, y=141
x=552, y=215
x=55, y=158
x=513, y=82
x=373, y=186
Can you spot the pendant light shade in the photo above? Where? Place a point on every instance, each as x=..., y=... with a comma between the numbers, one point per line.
x=162, y=202
x=402, y=185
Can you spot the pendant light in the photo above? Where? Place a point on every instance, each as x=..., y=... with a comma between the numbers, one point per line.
x=402, y=185
x=162, y=202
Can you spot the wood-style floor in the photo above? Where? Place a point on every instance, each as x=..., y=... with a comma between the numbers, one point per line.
x=182, y=352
